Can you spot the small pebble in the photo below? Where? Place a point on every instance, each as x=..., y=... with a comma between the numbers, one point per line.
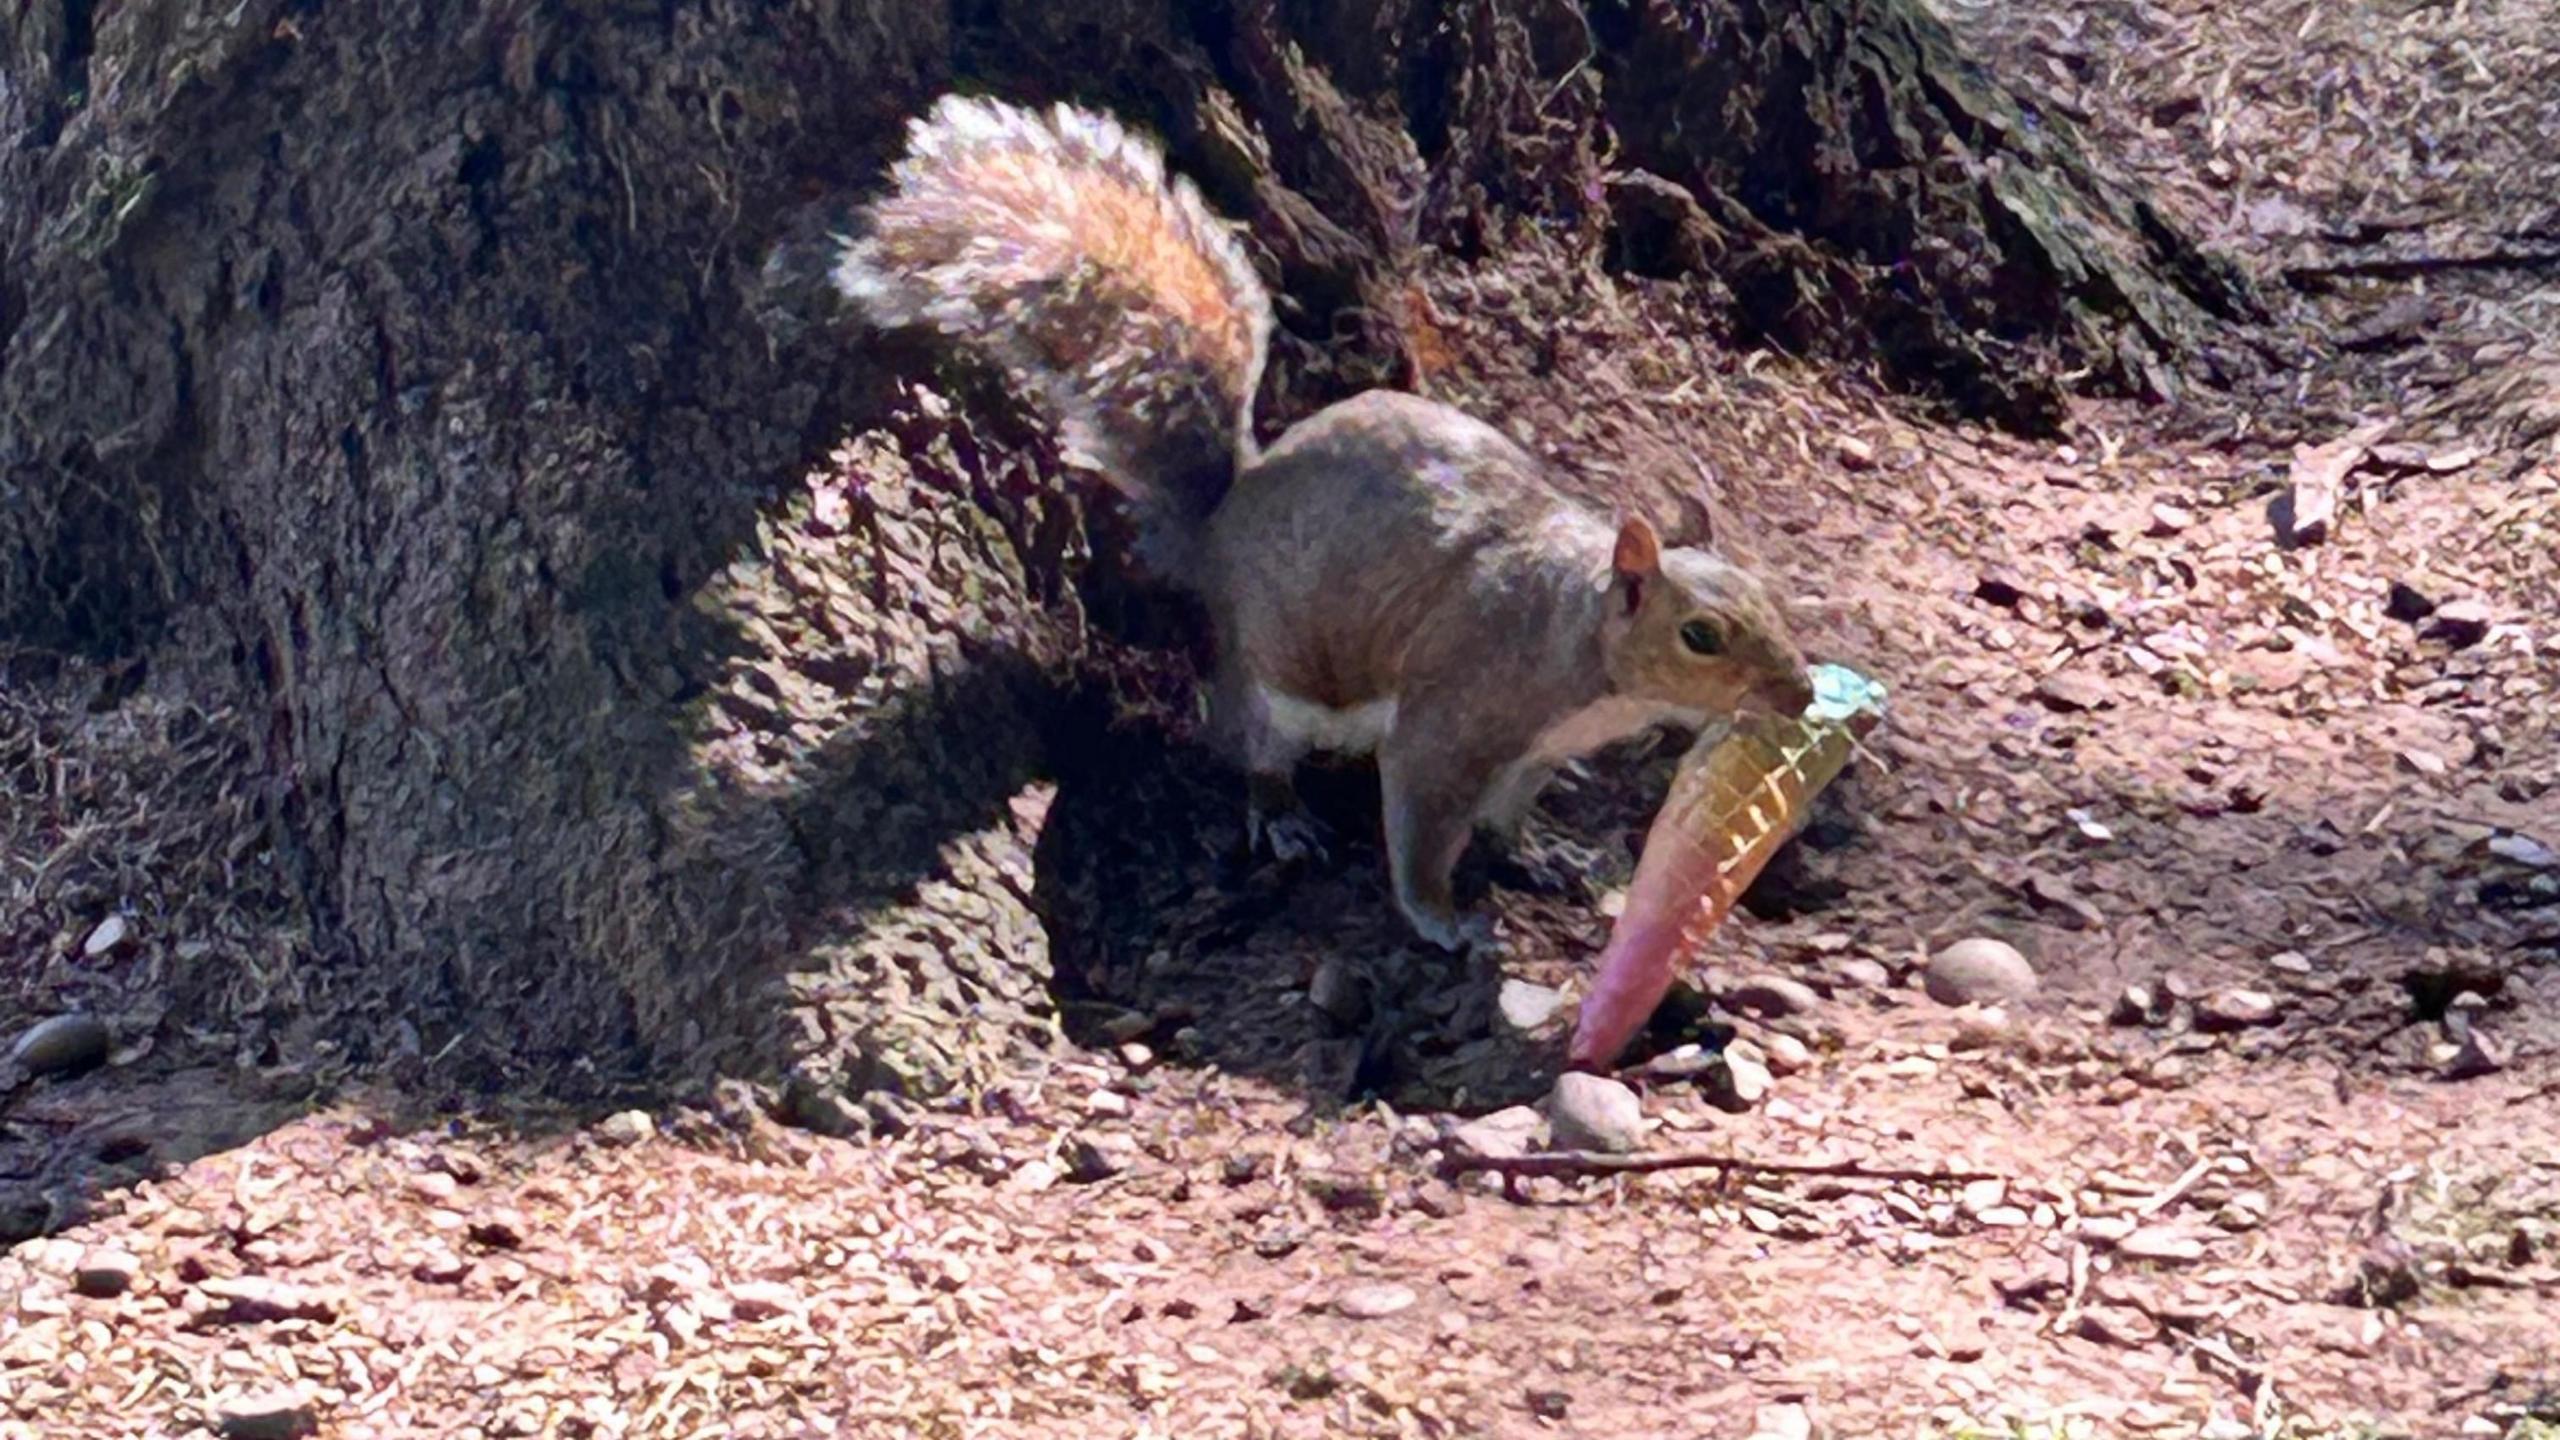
x=2223, y=1010
x=2461, y=1011
x=275, y=1415
x=753, y=1300
x=1437, y=1198
x=2244, y=1211
x=2070, y=690
x=2462, y=624
x=1681, y=1063
x=1374, y=1301
x=1739, y=1080
x=1335, y=993
x=439, y=1267
x=2139, y=1004
x=2524, y=850
x=1782, y=1422
x=1864, y=973
x=61, y=1045
x=1107, y=1105
x=1504, y=1133
x=111, y=933
x=1788, y=1055
x=1089, y=1163
x=55, y=1256
x=1772, y=995
x=628, y=1127
x=1980, y=1029
x=1590, y=1112
x=104, y=1274
x=2476, y=1056
x=1526, y=1006
x=1980, y=971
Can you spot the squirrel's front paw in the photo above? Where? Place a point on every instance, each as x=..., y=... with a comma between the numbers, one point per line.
x=1450, y=930
x=1290, y=836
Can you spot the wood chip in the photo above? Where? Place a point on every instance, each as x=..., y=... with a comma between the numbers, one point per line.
x=2304, y=513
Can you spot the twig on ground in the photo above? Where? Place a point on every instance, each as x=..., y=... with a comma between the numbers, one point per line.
x=2413, y=266
x=1514, y=1168
x=2177, y=1188
x=2069, y=1316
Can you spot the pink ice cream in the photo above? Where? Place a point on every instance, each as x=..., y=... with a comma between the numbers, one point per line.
x=1646, y=950
x=1732, y=803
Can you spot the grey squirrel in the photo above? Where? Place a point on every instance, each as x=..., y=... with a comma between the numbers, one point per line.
x=1391, y=576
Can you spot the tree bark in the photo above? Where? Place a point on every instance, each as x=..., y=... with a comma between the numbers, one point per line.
x=1860, y=186
x=651, y=669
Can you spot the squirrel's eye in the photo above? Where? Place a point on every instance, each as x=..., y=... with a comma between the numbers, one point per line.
x=1701, y=638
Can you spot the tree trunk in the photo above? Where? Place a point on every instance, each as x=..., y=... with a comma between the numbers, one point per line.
x=1859, y=184
x=651, y=669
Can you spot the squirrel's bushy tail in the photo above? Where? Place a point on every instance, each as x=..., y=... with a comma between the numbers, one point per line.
x=1057, y=243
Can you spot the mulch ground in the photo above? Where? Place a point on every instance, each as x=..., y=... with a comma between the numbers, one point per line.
x=2143, y=729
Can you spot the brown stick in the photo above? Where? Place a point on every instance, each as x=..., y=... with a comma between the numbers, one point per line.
x=2412, y=266
x=1513, y=1168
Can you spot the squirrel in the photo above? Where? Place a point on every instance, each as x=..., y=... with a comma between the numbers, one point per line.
x=1391, y=576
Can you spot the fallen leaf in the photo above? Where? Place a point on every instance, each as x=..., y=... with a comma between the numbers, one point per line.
x=2304, y=513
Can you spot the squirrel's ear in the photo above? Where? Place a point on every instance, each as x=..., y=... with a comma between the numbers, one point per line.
x=1636, y=561
x=1639, y=552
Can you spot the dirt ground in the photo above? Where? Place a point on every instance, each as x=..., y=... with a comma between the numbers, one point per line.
x=2303, y=792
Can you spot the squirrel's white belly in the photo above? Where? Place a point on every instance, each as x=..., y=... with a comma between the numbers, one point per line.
x=1308, y=725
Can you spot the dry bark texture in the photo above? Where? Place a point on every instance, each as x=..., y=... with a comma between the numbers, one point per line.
x=1849, y=172
x=449, y=384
